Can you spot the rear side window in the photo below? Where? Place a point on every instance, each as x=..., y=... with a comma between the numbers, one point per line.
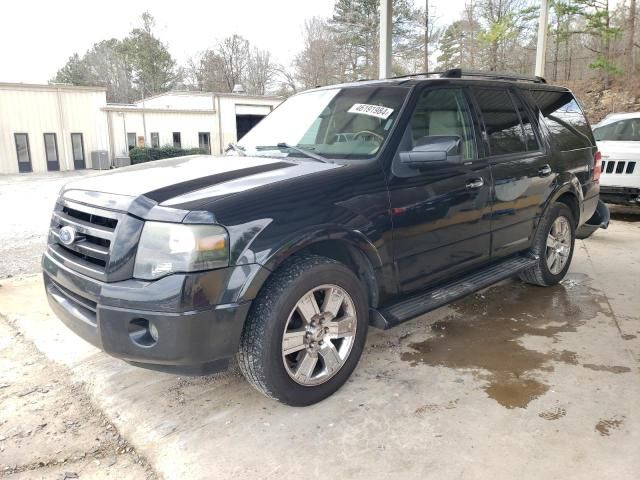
x=501, y=121
x=564, y=118
x=527, y=128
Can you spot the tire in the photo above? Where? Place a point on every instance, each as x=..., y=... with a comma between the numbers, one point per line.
x=278, y=310
x=542, y=273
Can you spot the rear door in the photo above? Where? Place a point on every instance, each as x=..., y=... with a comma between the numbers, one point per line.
x=440, y=214
x=520, y=167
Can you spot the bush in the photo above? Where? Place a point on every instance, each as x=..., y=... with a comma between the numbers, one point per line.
x=141, y=155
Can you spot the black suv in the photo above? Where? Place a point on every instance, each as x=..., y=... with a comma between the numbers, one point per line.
x=368, y=203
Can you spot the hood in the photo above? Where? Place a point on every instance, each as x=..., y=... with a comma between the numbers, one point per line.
x=173, y=180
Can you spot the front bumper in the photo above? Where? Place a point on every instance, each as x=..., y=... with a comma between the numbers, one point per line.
x=620, y=195
x=194, y=334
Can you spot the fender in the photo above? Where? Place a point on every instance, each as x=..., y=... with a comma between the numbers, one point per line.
x=353, y=239
x=564, y=183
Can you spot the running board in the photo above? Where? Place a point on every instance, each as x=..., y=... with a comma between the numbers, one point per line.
x=421, y=303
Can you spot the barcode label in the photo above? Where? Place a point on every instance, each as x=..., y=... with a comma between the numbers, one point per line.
x=371, y=110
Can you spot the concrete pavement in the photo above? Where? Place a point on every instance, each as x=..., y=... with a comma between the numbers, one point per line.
x=516, y=381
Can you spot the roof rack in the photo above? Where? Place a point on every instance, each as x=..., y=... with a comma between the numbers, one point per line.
x=459, y=73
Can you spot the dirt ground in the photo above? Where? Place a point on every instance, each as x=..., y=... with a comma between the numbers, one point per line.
x=514, y=381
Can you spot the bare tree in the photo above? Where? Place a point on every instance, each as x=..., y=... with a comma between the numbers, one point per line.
x=234, y=53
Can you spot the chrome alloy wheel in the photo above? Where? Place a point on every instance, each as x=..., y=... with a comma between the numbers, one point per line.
x=558, y=245
x=319, y=335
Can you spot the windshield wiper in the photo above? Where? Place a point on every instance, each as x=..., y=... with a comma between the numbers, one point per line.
x=238, y=149
x=303, y=151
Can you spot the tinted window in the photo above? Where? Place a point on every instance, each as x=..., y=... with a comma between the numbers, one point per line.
x=442, y=112
x=502, y=123
x=131, y=140
x=529, y=135
x=564, y=119
x=22, y=148
x=51, y=147
x=622, y=131
x=77, y=146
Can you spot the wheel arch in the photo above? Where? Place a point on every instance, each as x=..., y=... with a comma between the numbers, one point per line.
x=352, y=248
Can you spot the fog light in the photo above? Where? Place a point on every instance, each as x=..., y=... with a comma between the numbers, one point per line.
x=142, y=332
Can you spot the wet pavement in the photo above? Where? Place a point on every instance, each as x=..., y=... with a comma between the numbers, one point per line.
x=484, y=331
x=515, y=381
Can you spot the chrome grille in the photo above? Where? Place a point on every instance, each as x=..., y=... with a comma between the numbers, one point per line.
x=618, y=168
x=95, y=229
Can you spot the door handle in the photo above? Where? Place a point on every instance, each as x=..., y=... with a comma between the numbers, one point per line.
x=475, y=183
x=544, y=171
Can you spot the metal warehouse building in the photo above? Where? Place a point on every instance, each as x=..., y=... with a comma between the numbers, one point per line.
x=61, y=127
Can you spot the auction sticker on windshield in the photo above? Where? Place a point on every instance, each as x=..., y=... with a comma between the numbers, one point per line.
x=371, y=110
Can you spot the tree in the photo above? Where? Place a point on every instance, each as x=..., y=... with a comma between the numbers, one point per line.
x=317, y=63
x=234, y=54
x=154, y=69
x=356, y=23
x=260, y=71
x=103, y=64
x=457, y=45
x=598, y=26
x=74, y=72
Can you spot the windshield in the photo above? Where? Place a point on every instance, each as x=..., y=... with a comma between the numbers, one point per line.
x=623, y=130
x=342, y=123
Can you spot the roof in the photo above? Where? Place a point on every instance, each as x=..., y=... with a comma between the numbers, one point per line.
x=51, y=87
x=614, y=117
x=127, y=107
x=189, y=93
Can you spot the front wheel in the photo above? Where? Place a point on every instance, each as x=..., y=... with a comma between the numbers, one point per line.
x=553, y=246
x=305, y=331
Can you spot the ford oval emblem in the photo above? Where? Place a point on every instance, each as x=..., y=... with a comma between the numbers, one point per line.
x=67, y=235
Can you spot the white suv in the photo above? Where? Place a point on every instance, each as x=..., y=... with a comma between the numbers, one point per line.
x=618, y=138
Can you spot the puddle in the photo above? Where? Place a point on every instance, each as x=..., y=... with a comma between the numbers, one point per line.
x=607, y=368
x=483, y=335
x=604, y=427
x=553, y=413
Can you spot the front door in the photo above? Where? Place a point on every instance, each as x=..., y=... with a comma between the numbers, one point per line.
x=77, y=146
x=51, y=151
x=440, y=214
x=520, y=166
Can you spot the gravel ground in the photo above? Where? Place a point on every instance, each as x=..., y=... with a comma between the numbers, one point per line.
x=27, y=201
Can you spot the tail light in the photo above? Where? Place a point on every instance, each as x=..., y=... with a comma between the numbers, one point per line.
x=597, y=168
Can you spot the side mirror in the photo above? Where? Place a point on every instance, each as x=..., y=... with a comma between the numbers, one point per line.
x=433, y=150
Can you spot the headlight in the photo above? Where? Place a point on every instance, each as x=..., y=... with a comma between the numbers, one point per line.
x=166, y=248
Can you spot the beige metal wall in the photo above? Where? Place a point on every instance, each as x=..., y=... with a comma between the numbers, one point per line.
x=39, y=109
x=188, y=123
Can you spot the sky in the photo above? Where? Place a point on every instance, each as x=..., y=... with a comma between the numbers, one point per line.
x=38, y=36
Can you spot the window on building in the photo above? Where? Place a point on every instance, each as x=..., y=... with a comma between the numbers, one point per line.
x=131, y=140
x=204, y=141
x=501, y=120
x=23, y=152
x=562, y=115
x=77, y=146
x=177, y=142
x=155, y=139
x=51, y=151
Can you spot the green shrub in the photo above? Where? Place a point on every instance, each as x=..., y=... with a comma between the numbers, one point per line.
x=141, y=155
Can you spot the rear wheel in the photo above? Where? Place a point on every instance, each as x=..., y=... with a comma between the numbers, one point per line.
x=305, y=331
x=553, y=245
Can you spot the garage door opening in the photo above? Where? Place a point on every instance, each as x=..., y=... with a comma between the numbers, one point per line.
x=244, y=123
